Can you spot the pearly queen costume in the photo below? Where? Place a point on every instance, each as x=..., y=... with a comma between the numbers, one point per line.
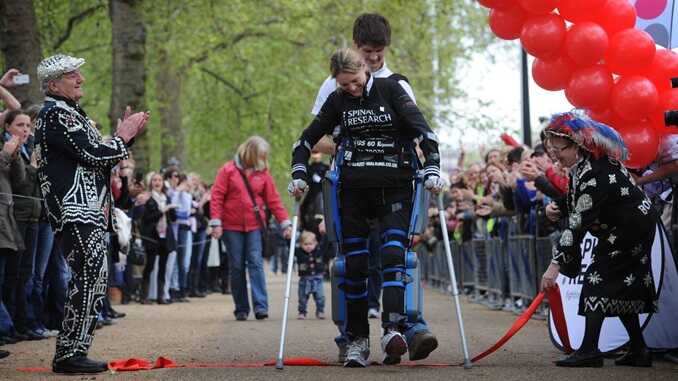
x=74, y=172
x=603, y=200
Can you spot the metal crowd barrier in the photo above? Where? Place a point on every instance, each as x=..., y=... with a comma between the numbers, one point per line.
x=490, y=267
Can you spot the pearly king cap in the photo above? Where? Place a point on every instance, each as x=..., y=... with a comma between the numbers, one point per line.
x=55, y=66
x=595, y=137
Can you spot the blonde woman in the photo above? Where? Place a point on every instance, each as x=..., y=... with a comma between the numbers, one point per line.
x=243, y=189
x=378, y=123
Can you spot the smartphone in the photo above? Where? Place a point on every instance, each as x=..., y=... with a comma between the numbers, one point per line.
x=21, y=79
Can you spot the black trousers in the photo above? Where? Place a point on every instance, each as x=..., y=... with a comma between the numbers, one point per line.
x=392, y=208
x=85, y=249
x=159, y=251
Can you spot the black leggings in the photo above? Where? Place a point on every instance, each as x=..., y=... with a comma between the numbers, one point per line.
x=150, y=261
x=392, y=208
x=594, y=324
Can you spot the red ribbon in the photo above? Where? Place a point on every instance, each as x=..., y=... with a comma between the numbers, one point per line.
x=556, y=304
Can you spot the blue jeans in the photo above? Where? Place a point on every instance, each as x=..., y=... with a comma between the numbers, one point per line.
x=279, y=257
x=58, y=275
x=311, y=285
x=6, y=324
x=42, y=254
x=244, y=253
x=184, y=248
x=22, y=316
x=198, y=252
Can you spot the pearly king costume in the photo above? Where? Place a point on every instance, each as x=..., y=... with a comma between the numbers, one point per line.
x=603, y=200
x=74, y=172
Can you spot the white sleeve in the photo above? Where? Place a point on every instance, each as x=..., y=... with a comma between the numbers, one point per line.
x=326, y=89
x=408, y=89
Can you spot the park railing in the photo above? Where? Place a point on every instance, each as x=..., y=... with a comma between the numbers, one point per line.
x=500, y=273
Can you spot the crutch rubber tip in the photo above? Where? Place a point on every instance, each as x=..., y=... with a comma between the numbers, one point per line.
x=279, y=364
x=467, y=364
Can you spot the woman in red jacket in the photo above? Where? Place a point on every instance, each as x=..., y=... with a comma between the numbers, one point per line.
x=239, y=220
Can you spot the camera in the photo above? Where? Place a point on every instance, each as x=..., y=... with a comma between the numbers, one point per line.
x=21, y=79
x=671, y=116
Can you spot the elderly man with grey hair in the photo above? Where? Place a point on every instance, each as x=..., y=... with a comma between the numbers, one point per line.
x=75, y=164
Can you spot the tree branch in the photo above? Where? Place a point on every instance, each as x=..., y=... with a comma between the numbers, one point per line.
x=72, y=22
x=230, y=85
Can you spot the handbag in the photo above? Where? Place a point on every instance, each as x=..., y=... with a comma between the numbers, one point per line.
x=257, y=215
x=137, y=254
x=214, y=256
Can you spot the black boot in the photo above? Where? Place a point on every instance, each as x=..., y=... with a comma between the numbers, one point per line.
x=79, y=364
x=144, y=292
x=582, y=360
x=635, y=358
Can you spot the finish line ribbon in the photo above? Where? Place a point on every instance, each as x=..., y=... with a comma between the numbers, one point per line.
x=556, y=304
x=553, y=295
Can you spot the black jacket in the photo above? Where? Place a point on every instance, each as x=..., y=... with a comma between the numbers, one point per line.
x=148, y=228
x=309, y=263
x=377, y=136
x=75, y=165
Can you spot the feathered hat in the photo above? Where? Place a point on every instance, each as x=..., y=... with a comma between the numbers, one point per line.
x=595, y=137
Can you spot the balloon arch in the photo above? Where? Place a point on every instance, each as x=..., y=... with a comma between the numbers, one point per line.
x=592, y=50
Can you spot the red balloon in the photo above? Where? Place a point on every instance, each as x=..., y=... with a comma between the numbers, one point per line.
x=507, y=24
x=661, y=129
x=553, y=74
x=579, y=10
x=634, y=98
x=631, y=51
x=606, y=116
x=642, y=141
x=586, y=43
x=497, y=4
x=543, y=36
x=615, y=16
x=664, y=66
x=590, y=87
x=538, y=7
x=668, y=100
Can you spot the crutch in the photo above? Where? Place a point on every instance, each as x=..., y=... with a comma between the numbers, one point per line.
x=288, y=285
x=453, y=279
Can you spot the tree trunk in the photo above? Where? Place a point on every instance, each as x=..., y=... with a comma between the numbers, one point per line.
x=20, y=44
x=129, y=70
x=168, y=83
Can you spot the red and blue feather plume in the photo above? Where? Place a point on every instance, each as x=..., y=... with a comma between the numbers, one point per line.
x=597, y=138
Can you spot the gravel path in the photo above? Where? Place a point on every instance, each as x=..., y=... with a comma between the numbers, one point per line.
x=204, y=331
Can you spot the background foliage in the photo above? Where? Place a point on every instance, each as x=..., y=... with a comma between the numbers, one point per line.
x=254, y=66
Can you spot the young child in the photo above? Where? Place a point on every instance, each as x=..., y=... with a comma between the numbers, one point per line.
x=311, y=269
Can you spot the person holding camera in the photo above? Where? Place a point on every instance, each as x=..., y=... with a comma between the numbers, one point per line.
x=12, y=171
x=11, y=78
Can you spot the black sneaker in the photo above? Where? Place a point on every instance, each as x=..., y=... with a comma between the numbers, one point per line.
x=3, y=354
x=641, y=359
x=79, y=365
x=261, y=315
x=117, y=315
x=241, y=316
x=582, y=360
x=423, y=343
